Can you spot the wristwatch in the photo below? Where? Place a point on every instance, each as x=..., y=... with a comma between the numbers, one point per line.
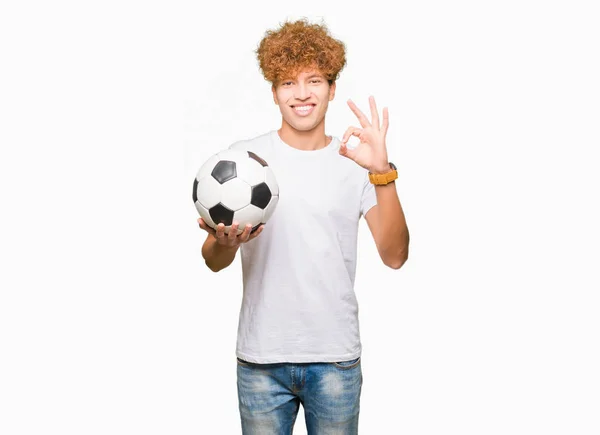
x=382, y=179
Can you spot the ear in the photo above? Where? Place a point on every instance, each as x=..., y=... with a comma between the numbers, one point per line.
x=274, y=94
x=332, y=91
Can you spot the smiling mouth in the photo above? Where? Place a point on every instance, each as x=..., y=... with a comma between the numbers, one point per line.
x=304, y=110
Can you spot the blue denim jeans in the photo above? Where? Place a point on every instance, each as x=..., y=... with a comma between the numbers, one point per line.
x=270, y=395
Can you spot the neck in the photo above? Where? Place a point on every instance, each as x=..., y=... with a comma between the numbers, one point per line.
x=309, y=140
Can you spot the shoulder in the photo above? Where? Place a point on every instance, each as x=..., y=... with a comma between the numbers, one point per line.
x=252, y=144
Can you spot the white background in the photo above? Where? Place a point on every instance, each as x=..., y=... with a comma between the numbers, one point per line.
x=110, y=323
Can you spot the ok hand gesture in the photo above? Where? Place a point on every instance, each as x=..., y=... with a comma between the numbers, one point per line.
x=371, y=152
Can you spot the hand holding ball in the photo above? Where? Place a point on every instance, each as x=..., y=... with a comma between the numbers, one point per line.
x=235, y=186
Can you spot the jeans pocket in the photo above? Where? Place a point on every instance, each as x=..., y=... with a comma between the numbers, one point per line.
x=347, y=364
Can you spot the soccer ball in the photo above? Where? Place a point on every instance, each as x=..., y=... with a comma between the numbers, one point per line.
x=235, y=185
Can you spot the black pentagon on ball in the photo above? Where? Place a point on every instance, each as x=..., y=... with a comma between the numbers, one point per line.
x=261, y=195
x=258, y=159
x=221, y=215
x=195, y=192
x=224, y=171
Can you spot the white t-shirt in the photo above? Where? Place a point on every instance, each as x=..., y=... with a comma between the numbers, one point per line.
x=298, y=301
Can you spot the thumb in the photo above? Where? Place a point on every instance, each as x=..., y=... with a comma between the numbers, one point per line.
x=347, y=152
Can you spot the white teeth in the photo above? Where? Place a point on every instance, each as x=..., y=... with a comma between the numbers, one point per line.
x=305, y=108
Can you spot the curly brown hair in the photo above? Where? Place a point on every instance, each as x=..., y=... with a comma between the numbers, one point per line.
x=299, y=45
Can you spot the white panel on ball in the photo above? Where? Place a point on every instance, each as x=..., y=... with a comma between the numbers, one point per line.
x=232, y=155
x=207, y=167
x=250, y=171
x=209, y=191
x=235, y=194
x=270, y=208
x=205, y=215
x=271, y=182
x=248, y=215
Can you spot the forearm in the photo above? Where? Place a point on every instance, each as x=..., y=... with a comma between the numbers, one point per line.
x=216, y=256
x=393, y=232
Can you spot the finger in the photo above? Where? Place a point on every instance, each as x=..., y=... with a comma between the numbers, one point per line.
x=374, y=114
x=347, y=152
x=245, y=234
x=364, y=122
x=220, y=232
x=233, y=231
x=205, y=226
x=386, y=121
x=350, y=132
x=255, y=234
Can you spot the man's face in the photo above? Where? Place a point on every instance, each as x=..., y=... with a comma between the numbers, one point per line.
x=303, y=100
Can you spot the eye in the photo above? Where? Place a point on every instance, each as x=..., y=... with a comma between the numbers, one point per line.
x=316, y=81
x=286, y=83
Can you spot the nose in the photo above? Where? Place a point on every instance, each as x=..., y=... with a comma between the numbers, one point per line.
x=301, y=92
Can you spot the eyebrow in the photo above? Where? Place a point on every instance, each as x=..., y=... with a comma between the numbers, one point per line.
x=321, y=76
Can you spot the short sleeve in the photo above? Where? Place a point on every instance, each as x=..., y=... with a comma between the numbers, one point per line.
x=239, y=145
x=369, y=196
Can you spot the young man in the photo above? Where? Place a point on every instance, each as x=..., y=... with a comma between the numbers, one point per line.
x=298, y=333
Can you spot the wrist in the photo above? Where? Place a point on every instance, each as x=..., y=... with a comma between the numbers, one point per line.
x=381, y=167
